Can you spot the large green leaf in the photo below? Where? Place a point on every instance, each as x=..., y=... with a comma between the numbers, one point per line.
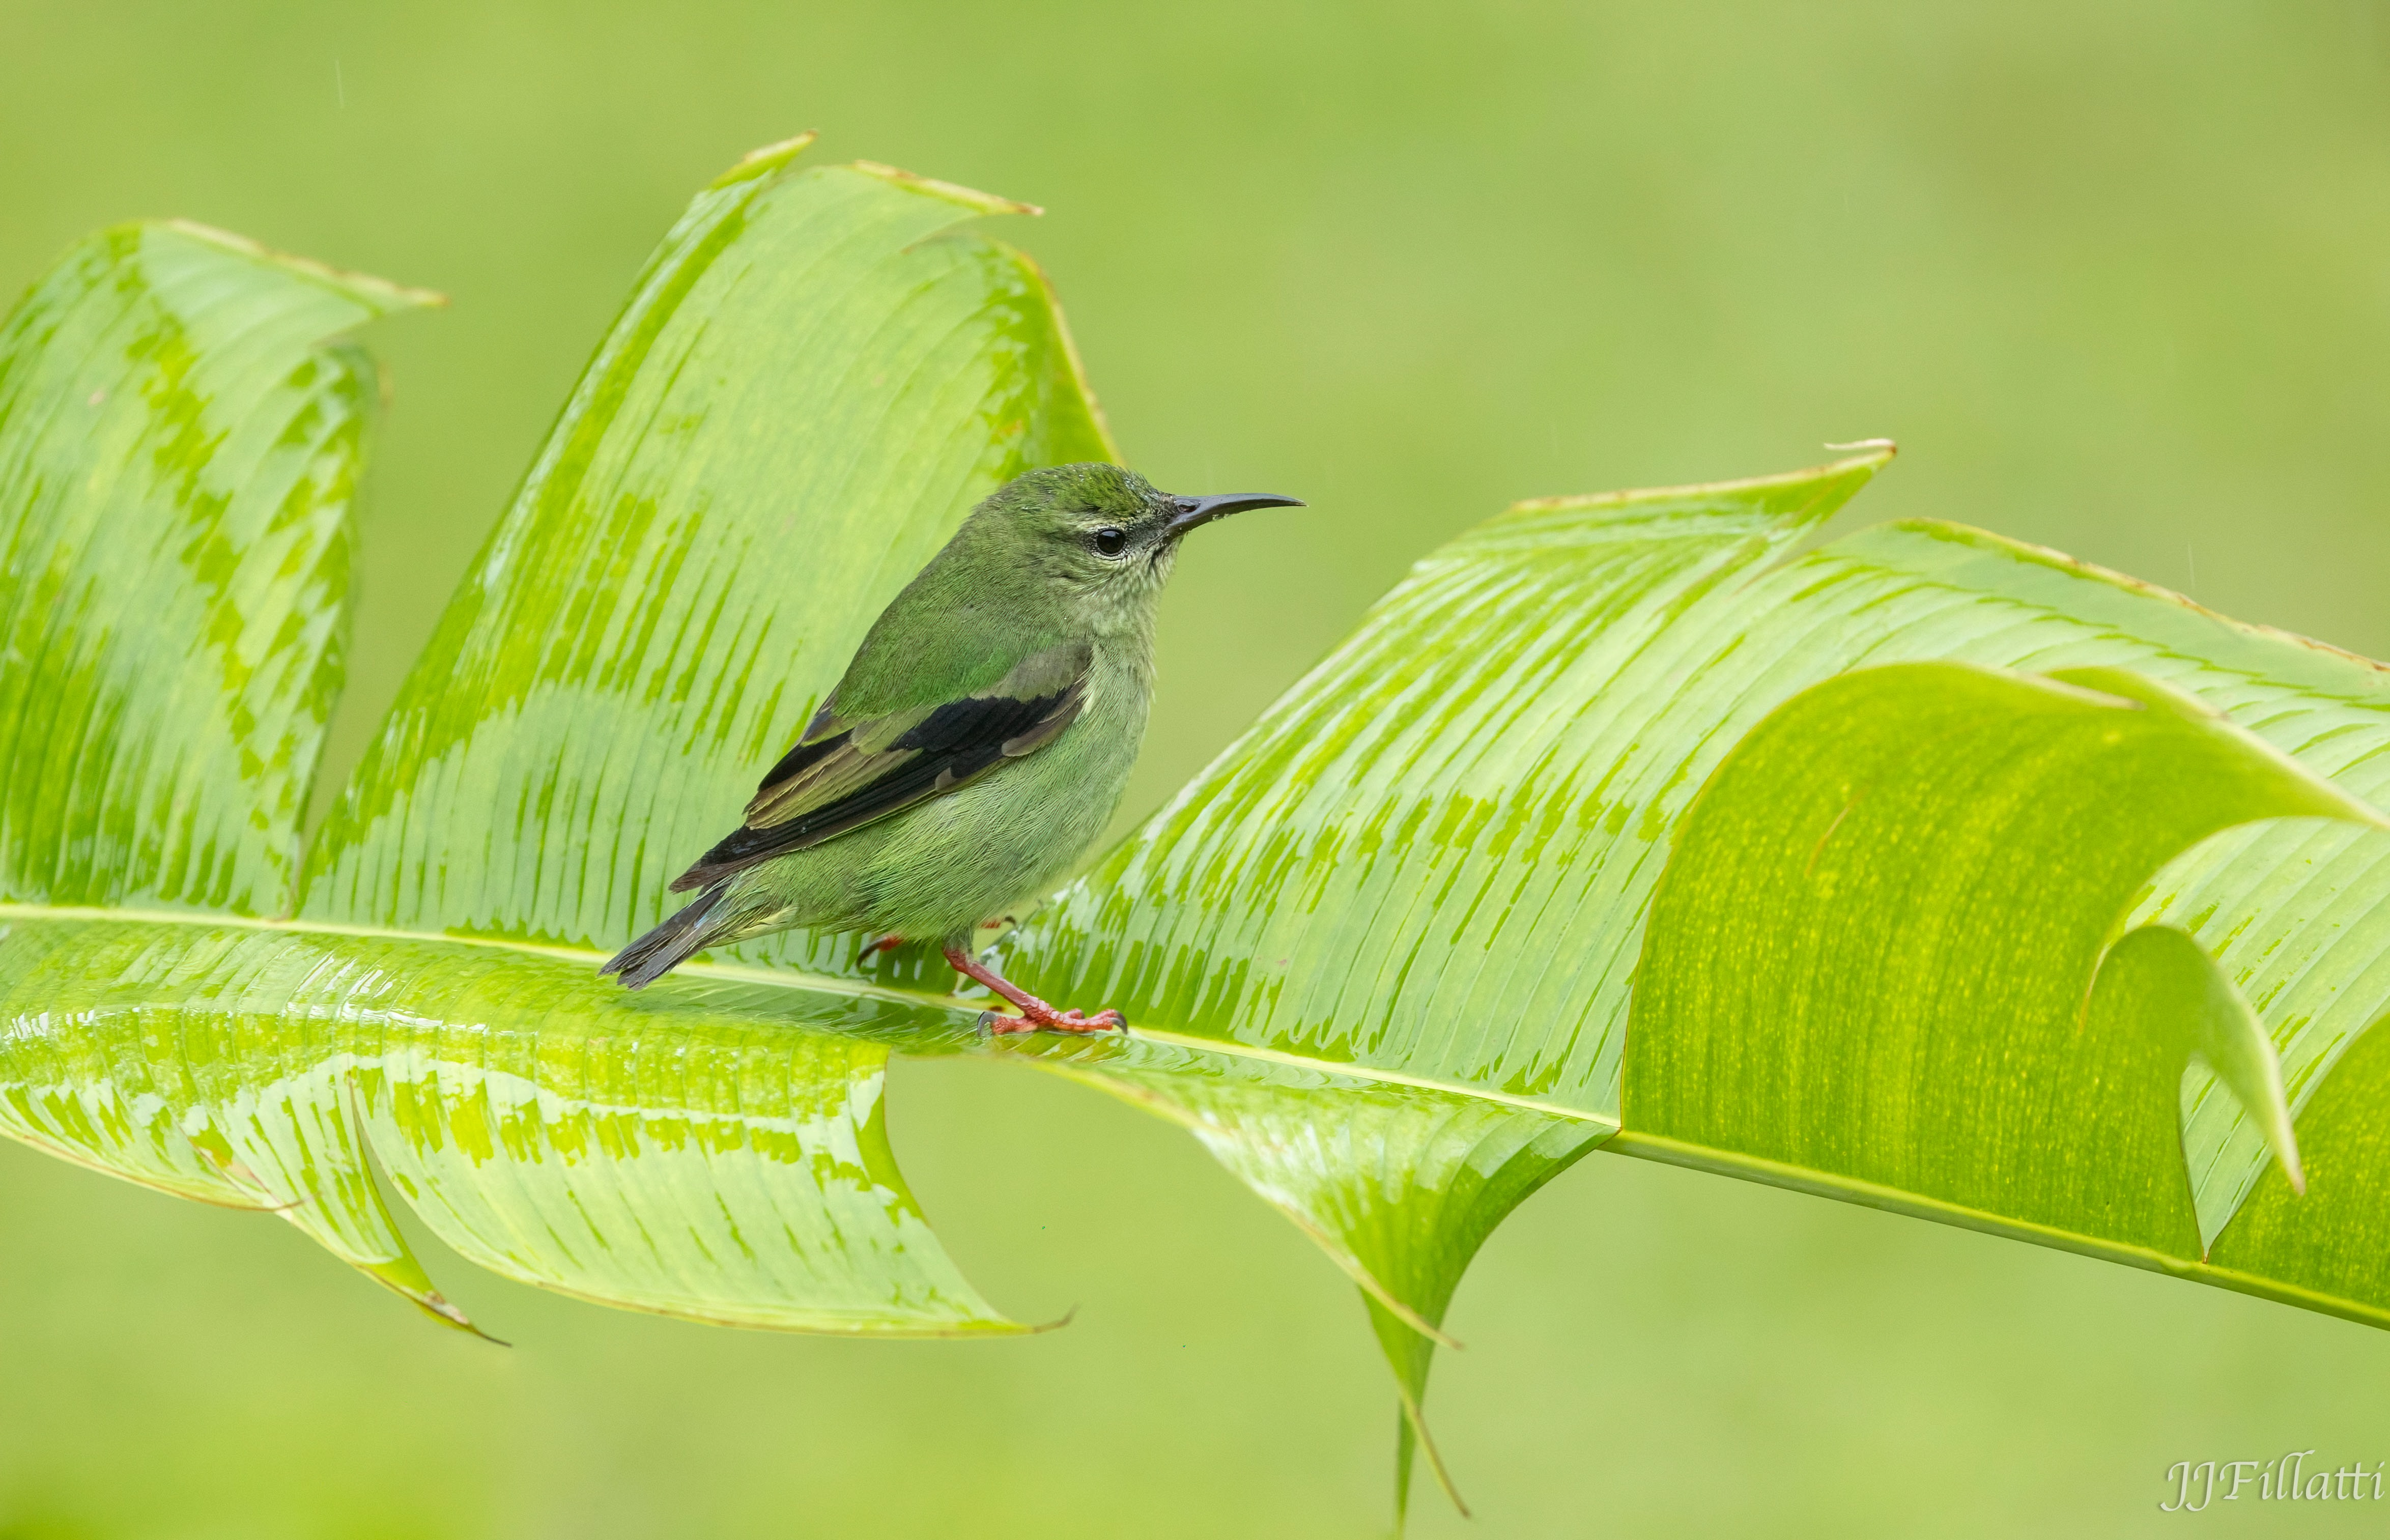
x=2296, y=913
x=718, y=1153
x=1380, y=956
x=180, y=436
x=1435, y=858
x=817, y=373
x=1873, y=957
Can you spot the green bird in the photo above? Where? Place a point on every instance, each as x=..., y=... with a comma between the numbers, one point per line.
x=979, y=740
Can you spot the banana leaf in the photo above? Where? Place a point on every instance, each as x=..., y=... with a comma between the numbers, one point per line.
x=1381, y=958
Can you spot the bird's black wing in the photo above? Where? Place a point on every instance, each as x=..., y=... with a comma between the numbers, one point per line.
x=843, y=775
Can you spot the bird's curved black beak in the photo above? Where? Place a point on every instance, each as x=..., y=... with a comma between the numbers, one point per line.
x=1195, y=512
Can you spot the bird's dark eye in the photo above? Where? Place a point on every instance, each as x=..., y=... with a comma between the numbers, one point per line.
x=1110, y=542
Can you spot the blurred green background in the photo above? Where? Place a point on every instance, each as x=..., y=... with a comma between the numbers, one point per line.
x=2117, y=277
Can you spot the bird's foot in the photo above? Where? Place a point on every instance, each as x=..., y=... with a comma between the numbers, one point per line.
x=889, y=942
x=1036, y=1014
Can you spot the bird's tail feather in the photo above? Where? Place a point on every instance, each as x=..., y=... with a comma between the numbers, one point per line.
x=700, y=924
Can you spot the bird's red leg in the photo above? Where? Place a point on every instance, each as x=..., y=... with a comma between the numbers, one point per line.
x=1035, y=1012
x=889, y=942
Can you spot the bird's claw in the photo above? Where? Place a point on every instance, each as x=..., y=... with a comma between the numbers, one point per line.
x=1050, y=1019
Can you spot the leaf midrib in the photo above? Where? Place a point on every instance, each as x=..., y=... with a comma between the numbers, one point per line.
x=1664, y=1150
x=775, y=977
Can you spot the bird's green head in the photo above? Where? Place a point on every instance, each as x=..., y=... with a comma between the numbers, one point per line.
x=1103, y=534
